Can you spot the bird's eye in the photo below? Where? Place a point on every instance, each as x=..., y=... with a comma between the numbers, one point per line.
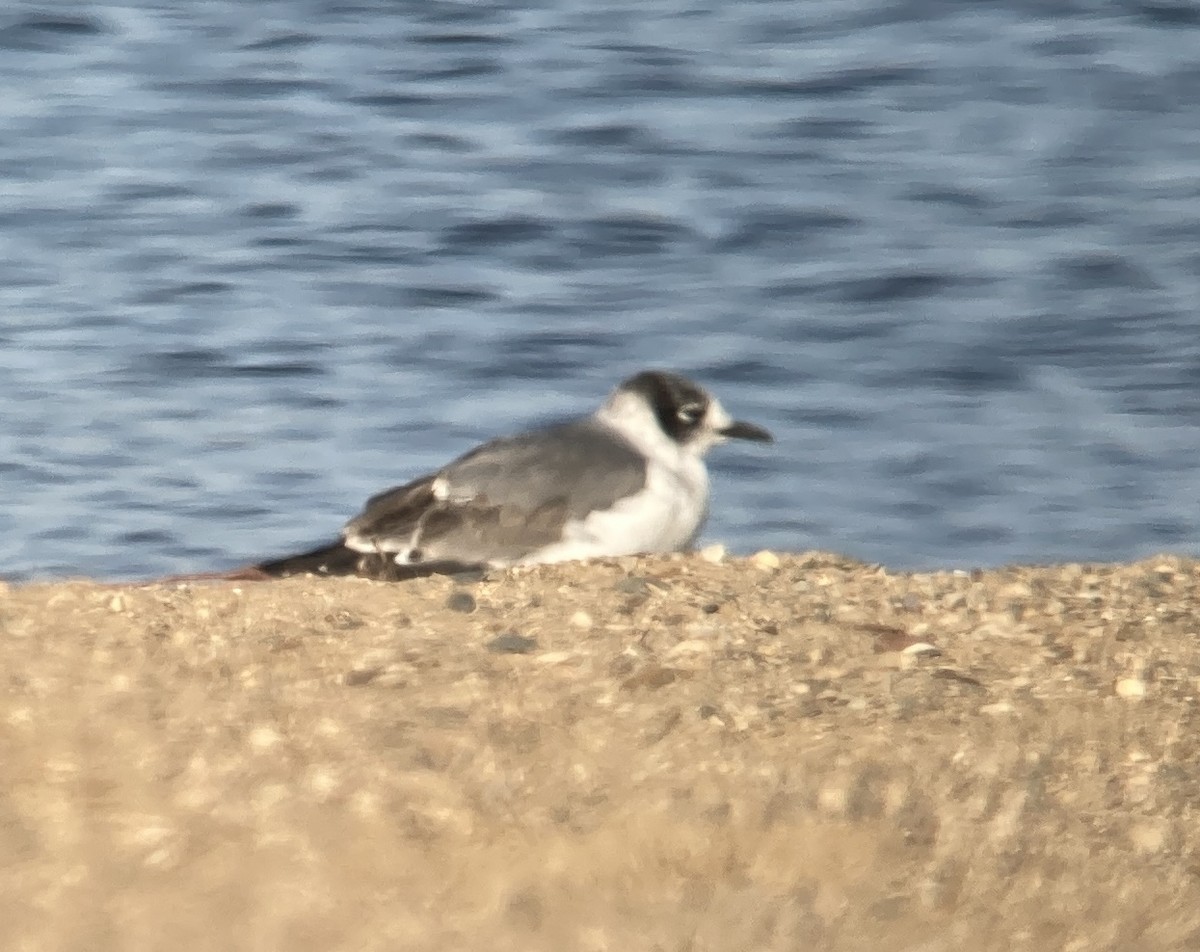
x=689, y=413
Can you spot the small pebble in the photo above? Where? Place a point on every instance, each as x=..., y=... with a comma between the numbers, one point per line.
x=833, y=800
x=1149, y=837
x=264, y=737
x=461, y=602
x=117, y=603
x=958, y=677
x=556, y=657
x=343, y=620
x=322, y=781
x=1000, y=707
x=633, y=585
x=360, y=676
x=765, y=560
x=713, y=553
x=691, y=646
x=1131, y=688
x=890, y=638
x=581, y=619
x=651, y=677
x=511, y=643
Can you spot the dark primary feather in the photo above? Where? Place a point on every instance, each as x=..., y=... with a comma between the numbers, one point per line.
x=338, y=559
x=331, y=559
x=508, y=497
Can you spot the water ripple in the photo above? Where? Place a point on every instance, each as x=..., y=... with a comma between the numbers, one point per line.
x=257, y=263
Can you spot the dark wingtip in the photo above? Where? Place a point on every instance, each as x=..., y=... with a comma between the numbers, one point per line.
x=338, y=560
x=330, y=559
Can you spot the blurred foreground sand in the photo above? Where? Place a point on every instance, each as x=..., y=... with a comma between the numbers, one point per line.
x=663, y=754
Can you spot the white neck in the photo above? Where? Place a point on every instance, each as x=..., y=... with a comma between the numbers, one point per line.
x=630, y=416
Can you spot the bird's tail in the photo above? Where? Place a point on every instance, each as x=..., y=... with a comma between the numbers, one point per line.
x=331, y=559
x=335, y=559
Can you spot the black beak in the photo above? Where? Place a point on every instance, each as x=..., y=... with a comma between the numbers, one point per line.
x=740, y=430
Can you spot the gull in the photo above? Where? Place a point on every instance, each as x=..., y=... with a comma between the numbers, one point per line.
x=627, y=479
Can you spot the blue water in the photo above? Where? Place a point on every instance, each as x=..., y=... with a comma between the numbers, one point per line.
x=258, y=261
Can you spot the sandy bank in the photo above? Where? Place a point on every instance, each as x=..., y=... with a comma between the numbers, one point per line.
x=640, y=754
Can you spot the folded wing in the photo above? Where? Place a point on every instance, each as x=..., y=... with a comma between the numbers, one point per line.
x=502, y=501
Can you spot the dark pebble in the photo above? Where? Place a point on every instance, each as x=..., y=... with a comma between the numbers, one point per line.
x=633, y=585
x=511, y=644
x=461, y=602
x=949, y=674
x=343, y=620
x=652, y=677
x=361, y=676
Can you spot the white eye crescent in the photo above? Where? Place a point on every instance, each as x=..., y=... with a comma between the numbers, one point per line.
x=690, y=412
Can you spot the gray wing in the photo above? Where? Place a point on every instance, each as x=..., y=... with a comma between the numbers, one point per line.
x=503, y=500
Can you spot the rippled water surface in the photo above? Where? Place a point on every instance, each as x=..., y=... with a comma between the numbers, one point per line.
x=258, y=261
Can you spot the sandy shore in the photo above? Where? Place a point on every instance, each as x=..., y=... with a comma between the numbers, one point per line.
x=799, y=752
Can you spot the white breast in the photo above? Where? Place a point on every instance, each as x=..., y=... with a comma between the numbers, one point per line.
x=665, y=516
